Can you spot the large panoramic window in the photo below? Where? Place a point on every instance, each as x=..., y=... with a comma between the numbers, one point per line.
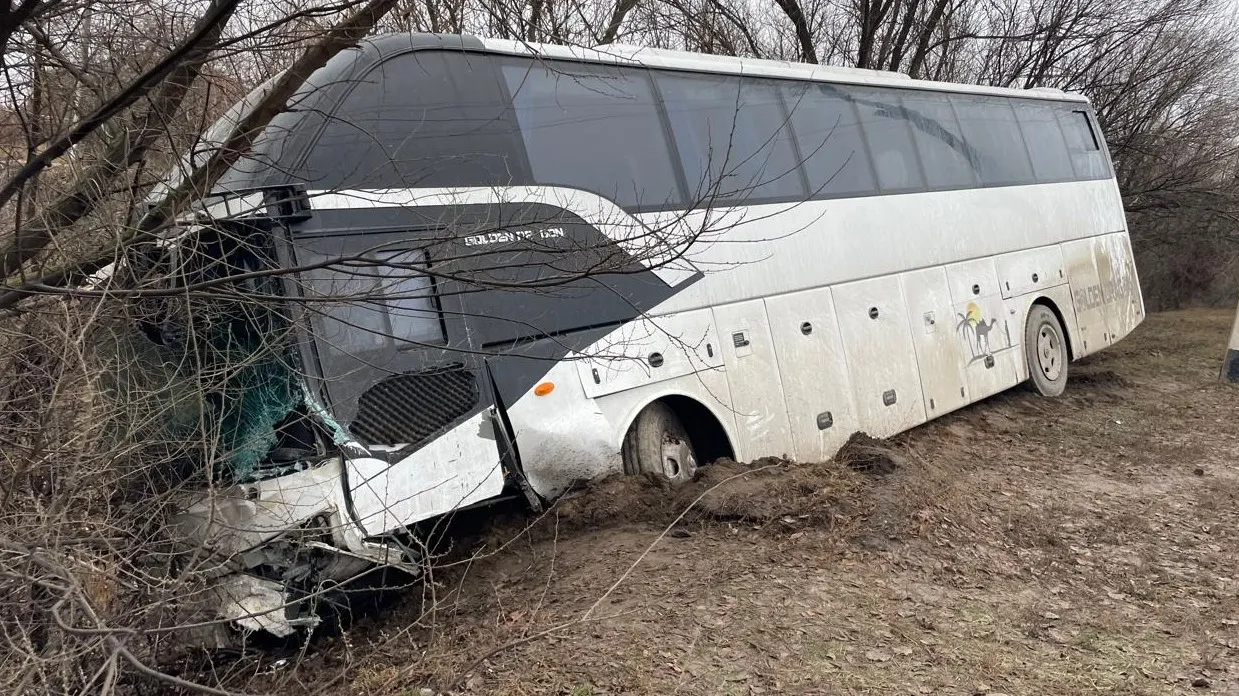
x=595, y=128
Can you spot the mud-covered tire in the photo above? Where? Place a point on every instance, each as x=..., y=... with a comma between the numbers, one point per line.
x=657, y=443
x=1045, y=351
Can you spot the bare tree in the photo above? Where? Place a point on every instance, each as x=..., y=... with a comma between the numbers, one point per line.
x=88, y=584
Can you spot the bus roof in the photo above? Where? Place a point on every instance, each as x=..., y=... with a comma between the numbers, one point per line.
x=703, y=62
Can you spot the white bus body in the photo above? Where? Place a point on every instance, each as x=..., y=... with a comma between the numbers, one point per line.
x=777, y=320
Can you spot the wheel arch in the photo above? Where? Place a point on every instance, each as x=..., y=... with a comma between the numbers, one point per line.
x=1051, y=305
x=706, y=430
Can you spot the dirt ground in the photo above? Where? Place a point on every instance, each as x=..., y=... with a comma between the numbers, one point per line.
x=1021, y=546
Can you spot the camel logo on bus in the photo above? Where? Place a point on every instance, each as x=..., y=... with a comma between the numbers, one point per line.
x=977, y=332
x=516, y=235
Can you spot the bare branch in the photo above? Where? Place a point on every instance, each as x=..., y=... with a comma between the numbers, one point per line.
x=217, y=14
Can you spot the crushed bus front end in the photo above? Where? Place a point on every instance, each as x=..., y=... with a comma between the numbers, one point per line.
x=291, y=508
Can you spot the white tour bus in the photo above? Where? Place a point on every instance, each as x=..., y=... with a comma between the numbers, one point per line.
x=583, y=262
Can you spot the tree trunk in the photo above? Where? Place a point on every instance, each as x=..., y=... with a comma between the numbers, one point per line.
x=214, y=16
x=927, y=35
x=128, y=148
x=331, y=41
x=611, y=33
x=804, y=36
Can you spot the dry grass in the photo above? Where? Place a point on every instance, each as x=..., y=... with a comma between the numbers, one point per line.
x=1022, y=546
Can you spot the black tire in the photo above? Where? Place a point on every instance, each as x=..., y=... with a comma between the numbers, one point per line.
x=1045, y=350
x=658, y=444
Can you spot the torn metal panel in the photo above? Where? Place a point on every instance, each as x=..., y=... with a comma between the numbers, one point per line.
x=238, y=518
x=256, y=604
x=281, y=540
x=233, y=521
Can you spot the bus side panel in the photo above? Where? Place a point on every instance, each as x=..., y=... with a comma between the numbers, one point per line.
x=1133, y=278
x=972, y=279
x=873, y=320
x=989, y=340
x=456, y=469
x=815, y=377
x=1086, y=297
x=563, y=436
x=622, y=359
x=1117, y=273
x=938, y=348
x=1030, y=270
x=753, y=376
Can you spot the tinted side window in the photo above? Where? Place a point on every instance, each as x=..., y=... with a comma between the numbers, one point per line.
x=935, y=130
x=733, y=136
x=366, y=306
x=593, y=127
x=1046, y=146
x=424, y=119
x=994, y=137
x=828, y=131
x=1084, y=145
x=890, y=139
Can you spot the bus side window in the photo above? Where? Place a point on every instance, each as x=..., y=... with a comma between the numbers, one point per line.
x=366, y=306
x=944, y=153
x=595, y=128
x=733, y=137
x=1086, y=155
x=993, y=135
x=886, y=128
x=827, y=128
x=1050, y=159
x=423, y=119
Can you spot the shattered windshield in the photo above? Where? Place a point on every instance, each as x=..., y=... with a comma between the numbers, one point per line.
x=227, y=337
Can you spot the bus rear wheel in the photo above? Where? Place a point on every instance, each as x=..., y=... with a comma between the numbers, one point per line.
x=658, y=443
x=1046, y=351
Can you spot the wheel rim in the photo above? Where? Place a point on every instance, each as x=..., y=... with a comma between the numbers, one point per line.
x=678, y=460
x=1049, y=352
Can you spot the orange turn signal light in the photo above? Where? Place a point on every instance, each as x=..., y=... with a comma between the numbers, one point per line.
x=544, y=389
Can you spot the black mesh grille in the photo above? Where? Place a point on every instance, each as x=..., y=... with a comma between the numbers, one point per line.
x=409, y=408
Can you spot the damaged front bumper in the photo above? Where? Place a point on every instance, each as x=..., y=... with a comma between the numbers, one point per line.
x=277, y=547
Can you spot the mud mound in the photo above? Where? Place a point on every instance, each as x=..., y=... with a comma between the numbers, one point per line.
x=765, y=491
x=772, y=490
x=1099, y=378
x=869, y=455
x=614, y=500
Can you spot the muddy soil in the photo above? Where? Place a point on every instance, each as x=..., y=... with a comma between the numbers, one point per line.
x=1077, y=545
